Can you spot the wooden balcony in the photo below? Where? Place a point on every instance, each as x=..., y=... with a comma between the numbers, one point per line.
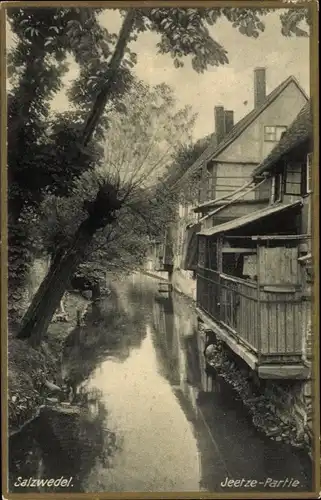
x=262, y=323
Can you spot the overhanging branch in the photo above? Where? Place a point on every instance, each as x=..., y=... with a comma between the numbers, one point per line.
x=103, y=96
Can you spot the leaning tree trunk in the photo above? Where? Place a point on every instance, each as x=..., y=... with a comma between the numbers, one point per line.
x=52, y=289
x=104, y=95
x=47, y=299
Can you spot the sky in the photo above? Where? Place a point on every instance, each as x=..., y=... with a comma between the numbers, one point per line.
x=229, y=85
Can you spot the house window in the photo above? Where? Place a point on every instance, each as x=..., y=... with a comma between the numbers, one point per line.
x=309, y=173
x=273, y=133
x=277, y=188
x=298, y=177
x=294, y=179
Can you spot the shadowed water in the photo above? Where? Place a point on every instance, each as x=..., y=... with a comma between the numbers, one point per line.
x=152, y=419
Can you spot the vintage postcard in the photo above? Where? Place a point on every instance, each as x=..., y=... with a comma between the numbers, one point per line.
x=160, y=249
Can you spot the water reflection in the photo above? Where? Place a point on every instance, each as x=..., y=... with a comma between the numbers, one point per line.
x=64, y=446
x=228, y=444
x=155, y=419
x=113, y=327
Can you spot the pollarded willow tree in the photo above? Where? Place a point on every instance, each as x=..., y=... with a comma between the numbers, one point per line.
x=45, y=155
x=138, y=148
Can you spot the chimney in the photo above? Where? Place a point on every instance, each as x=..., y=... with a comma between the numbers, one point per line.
x=219, y=123
x=259, y=87
x=229, y=121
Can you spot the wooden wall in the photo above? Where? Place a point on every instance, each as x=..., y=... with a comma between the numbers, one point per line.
x=280, y=302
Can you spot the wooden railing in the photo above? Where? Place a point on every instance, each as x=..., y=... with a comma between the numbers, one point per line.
x=239, y=309
x=267, y=321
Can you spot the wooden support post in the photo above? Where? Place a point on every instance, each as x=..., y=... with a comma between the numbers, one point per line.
x=220, y=270
x=258, y=313
x=78, y=317
x=219, y=254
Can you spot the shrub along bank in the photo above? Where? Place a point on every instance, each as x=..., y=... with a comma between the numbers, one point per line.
x=32, y=372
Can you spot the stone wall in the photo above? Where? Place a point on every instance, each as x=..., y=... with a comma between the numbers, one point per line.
x=292, y=404
x=282, y=410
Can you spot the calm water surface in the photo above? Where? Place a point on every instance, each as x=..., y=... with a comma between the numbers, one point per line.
x=153, y=420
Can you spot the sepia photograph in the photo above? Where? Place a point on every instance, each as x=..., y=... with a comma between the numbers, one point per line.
x=159, y=249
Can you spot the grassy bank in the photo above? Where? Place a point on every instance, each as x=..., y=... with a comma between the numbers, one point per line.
x=29, y=368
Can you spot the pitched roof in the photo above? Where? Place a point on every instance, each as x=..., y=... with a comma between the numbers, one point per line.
x=213, y=149
x=298, y=132
x=249, y=218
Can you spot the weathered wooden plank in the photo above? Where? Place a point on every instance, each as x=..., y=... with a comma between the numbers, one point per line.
x=274, y=371
x=257, y=326
x=265, y=324
x=290, y=325
x=232, y=279
x=249, y=251
x=251, y=304
x=276, y=237
x=284, y=357
x=249, y=317
x=283, y=343
x=291, y=257
x=242, y=321
x=279, y=265
x=305, y=330
x=299, y=325
x=249, y=320
x=273, y=346
x=279, y=289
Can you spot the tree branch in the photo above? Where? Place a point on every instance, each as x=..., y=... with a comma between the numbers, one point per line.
x=103, y=96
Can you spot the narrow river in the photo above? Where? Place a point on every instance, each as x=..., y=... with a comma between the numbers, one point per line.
x=154, y=420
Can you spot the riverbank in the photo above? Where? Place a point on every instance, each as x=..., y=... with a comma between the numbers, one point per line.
x=30, y=369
